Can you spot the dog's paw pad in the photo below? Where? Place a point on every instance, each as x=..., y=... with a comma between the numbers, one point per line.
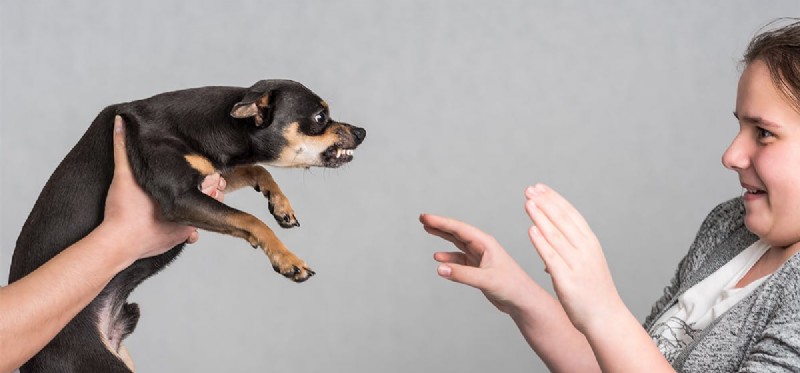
x=287, y=221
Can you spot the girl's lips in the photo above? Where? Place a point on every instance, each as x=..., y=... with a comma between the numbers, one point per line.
x=752, y=192
x=750, y=196
x=752, y=189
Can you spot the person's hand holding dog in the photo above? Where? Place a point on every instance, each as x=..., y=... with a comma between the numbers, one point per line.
x=132, y=215
x=36, y=307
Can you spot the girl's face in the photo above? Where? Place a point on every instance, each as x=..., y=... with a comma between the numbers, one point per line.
x=766, y=155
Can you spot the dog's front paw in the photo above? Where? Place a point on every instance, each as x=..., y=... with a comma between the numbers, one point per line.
x=292, y=268
x=281, y=209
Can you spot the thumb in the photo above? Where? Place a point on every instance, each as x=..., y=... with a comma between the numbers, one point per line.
x=464, y=274
x=121, y=165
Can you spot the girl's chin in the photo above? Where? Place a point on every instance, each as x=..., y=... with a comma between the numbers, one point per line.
x=756, y=224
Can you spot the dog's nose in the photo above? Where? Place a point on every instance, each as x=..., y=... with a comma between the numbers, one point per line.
x=359, y=133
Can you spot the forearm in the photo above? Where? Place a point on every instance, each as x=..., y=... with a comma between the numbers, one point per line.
x=36, y=307
x=549, y=332
x=622, y=345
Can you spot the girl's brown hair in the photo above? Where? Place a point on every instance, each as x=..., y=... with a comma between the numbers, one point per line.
x=779, y=48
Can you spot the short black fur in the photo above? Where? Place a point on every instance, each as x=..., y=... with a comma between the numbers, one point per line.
x=160, y=131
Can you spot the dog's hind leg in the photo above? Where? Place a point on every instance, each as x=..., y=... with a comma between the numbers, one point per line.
x=262, y=181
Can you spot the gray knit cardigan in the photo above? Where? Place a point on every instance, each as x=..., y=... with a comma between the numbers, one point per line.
x=761, y=333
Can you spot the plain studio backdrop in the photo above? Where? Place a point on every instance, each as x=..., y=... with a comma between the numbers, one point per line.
x=622, y=106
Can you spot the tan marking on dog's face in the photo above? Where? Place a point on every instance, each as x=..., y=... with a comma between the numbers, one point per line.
x=200, y=163
x=324, y=104
x=263, y=101
x=302, y=150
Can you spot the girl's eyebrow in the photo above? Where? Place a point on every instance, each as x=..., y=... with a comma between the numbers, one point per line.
x=755, y=120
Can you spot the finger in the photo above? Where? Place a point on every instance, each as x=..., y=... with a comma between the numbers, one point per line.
x=214, y=193
x=547, y=204
x=548, y=231
x=210, y=191
x=450, y=257
x=210, y=181
x=193, y=237
x=554, y=264
x=467, y=275
x=446, y=236
x=121, y=165
x=471, y=237
x=558, y=199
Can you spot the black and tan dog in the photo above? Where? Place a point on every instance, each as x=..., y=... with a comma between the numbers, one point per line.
x=173, y=140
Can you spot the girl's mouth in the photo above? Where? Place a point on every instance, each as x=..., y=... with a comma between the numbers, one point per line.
x=751, y=192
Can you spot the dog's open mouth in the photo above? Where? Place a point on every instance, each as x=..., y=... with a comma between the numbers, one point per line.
x=335, y=156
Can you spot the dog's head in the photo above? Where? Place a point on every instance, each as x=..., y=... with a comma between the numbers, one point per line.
x=292, y=126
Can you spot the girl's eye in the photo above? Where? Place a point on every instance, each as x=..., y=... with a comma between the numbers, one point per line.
x=763, y=134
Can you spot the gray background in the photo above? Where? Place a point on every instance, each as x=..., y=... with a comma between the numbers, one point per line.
x=622, y=106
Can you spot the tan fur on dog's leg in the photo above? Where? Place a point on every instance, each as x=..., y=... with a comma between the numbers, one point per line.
x=259, y=234
x=260, y=179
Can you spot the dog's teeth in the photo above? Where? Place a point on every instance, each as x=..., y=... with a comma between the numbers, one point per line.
x=338, y=153
x=349, y=152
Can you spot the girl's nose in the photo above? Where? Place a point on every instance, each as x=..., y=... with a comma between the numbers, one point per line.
x=737, y=156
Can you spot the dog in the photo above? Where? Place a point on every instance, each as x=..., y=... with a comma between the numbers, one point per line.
x=173, y=141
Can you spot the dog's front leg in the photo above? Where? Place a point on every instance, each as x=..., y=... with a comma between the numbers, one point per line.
x=262, y=181
x=196, y=209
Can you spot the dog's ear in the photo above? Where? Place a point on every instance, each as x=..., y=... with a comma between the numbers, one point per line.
x=256, y=105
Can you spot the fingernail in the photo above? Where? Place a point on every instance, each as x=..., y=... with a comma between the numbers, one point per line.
x=117, y=124
x=444, y=270
x=530, y=192
x=540, y=188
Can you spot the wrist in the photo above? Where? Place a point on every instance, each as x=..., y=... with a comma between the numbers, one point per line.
x=607, y=318
x=112, y=245
x=532, y=303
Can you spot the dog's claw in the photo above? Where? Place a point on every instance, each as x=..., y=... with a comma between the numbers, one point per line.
x=295, y=274
x=287, y=221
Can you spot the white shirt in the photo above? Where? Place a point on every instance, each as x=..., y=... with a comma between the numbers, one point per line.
x=705, y=301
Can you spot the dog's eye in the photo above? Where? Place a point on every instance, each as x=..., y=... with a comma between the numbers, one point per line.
x=321, y=117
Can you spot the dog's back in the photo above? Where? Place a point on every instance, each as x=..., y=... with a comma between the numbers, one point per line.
x=70, y=206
